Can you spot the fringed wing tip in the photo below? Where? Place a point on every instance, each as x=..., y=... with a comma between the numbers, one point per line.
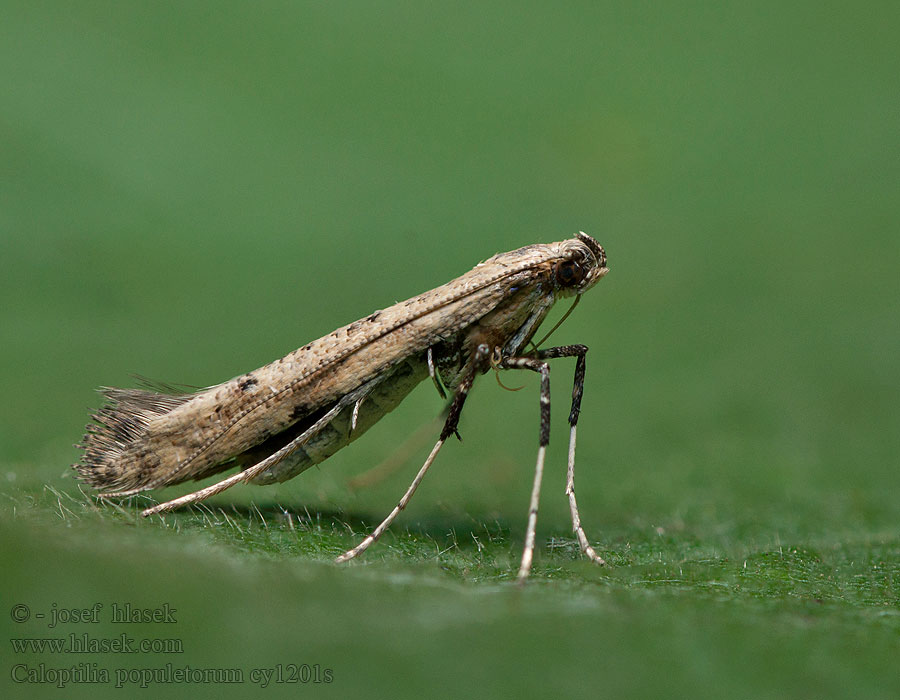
x=118, y=424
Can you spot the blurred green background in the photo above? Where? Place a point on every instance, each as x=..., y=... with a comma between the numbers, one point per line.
x=190, y=190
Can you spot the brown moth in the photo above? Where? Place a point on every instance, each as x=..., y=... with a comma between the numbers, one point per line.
x=277, y=421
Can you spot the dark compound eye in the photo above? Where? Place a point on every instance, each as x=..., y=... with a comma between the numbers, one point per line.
x=569, y=273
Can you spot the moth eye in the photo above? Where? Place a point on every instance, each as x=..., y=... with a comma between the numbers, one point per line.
x=569, y=273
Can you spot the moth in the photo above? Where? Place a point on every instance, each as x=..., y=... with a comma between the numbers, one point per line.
x=279, y=420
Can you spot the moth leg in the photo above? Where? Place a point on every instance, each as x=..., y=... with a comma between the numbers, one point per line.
x=259, y=468
x=536, y=365
x=433, y=373
x=355, y=416
x=400, y=455
x=578, y=351
x=450, y=428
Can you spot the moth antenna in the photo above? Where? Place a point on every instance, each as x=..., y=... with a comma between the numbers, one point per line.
x=543, y=340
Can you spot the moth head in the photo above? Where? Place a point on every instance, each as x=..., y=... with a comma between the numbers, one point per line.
x=580, y=266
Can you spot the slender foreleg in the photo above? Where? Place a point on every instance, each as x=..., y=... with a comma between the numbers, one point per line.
x=535, y=365
x=578, y=351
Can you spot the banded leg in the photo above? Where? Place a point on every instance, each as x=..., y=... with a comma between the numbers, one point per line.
x=450, y=428
x=535, y=365
x=578, y=351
